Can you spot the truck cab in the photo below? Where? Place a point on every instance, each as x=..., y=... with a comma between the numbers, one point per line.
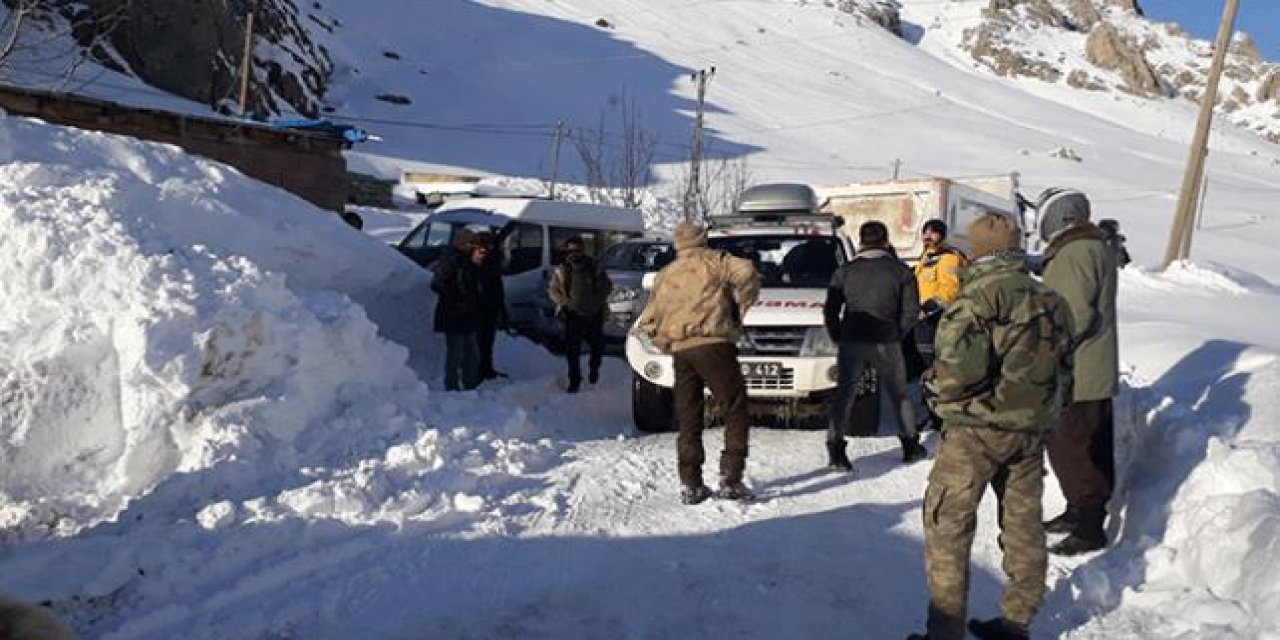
x=788, y=361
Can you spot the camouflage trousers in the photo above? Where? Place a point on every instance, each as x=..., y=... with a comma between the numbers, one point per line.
x=1012, y=463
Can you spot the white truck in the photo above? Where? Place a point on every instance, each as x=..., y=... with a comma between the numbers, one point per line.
x=905, y=205
x=787, y=358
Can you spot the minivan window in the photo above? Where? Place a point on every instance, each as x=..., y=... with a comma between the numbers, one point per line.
x=590, y=241
x=637, y=256
x=523, y=248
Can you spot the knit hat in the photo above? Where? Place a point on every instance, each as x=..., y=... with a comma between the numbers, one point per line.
x=993, y=232
x=689, y=236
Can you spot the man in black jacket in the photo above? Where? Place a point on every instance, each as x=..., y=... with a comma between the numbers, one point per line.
x=493, y=306
x=872, y=304
x=457, y=285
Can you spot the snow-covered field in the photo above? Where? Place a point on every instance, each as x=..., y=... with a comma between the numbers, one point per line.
x=220, y=414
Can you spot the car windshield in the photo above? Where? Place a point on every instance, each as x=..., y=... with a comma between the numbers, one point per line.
x=786, y=260
x=637, y=256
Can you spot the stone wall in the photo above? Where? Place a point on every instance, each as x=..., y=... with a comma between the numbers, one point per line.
x=308, y=165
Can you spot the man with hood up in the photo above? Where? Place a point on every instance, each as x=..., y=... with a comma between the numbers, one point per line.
x=1080, y=266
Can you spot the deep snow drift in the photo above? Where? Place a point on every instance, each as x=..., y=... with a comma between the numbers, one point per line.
x=169, y=315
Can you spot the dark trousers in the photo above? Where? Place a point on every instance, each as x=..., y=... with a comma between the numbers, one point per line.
x=578, y=328
x=486, y=335
x=716, y=367
x=887, y=359
x=461, y=360
x=1082, y=453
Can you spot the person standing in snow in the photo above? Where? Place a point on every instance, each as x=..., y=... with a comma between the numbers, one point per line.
x=938, y=280
x=1080, y=266
x=580, y=290
x=456, y=281
x=695, y=313
x=872, y=305
x=1000, y=381
x=493, y=306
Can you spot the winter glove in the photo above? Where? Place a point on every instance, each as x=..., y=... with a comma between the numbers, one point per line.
x=932, y=307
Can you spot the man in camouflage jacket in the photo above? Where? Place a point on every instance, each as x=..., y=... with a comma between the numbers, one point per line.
x=1000, y=381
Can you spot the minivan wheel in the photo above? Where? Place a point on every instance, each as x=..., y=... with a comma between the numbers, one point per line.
x=652, y=406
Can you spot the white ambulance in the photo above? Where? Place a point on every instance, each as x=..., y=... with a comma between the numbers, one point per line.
x=787, y=358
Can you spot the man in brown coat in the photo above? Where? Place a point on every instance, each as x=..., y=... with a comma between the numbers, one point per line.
x=695, y=313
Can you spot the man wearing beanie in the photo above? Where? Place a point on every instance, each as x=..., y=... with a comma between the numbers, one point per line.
x=871, y=306
x=1000, y=381
x=1080, y=266
x=695, y=313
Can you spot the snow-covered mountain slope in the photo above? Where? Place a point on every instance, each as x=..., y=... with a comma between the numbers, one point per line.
x=804, y=90
x=807, y=91
x=1107, y=46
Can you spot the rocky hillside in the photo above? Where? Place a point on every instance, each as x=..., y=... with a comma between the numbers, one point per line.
x=1109, y=45
x=193, y=48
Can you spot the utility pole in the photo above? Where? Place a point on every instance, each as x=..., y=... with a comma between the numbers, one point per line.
x=246, y=63
x=555, y=159
x=897, y=168
x=1202, y=193
x=691, y=196
x=1180, y=234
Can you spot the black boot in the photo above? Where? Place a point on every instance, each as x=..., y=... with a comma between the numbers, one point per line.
x=1064, y=523
x=917, y=636
x=912, y=450
x=695, y=495
x=837, y=459
x=734, y=490
x=998, y=629
x=1087, y=536
x=594, y=376
x=574, y=385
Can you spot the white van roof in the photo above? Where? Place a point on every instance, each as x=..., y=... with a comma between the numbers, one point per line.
x=570, y=214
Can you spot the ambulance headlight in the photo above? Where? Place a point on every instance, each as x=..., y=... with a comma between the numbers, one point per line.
x=817, y=344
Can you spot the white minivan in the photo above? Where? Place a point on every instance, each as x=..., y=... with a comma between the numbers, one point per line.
x=529, y=232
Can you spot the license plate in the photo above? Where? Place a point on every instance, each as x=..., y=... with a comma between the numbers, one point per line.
x=761, y=369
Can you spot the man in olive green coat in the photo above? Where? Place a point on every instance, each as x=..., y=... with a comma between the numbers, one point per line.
x=1000, y=380
x=1080, y=266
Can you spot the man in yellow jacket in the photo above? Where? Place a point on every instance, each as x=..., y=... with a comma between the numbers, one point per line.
x=938, y=280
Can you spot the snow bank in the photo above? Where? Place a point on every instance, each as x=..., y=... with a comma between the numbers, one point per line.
x=1198, y=552
x=165, y=314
